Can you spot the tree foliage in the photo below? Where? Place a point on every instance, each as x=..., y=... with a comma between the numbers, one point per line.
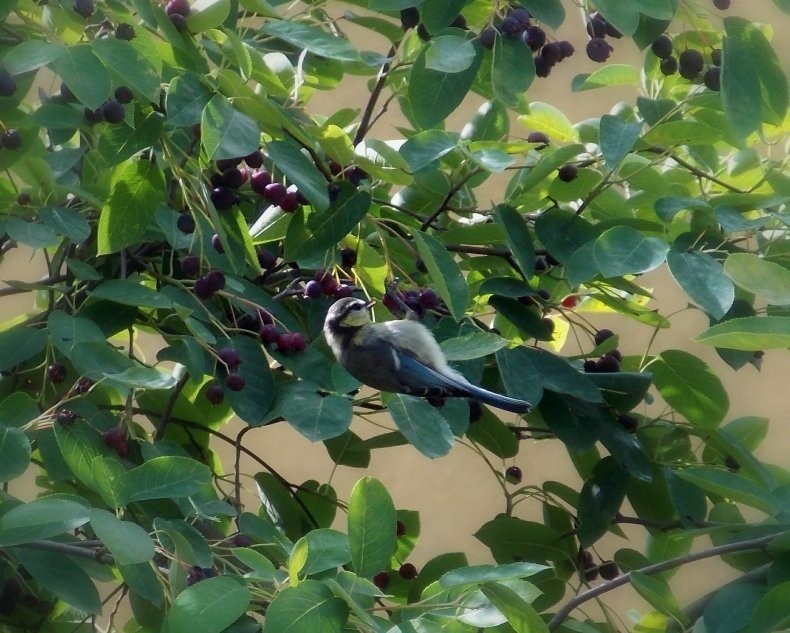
x=169, y=163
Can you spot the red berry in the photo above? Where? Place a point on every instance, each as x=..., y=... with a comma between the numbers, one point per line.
x=235, y=382
x=284, y=342
x=274, y=193
x=290, y=202
x=382, y=580
x=214, y=394
x=269, y=333
x=407, y=571
x=178, y=6
x=259, y=181
x=570, y=302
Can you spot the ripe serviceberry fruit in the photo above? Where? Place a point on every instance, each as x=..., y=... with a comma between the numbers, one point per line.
x=598, y=49
x=535, y=37
x=567, y=49
x=290, y=202
x=56, y=373
x=11, y=139
x=269, y=333
x=178, y=6
x=242, y=540
x=235, y=382
x=538, y=137
x=113, y=112
x=615, y=353
x=266, y=259
x=607, y=365
x=609, y=570
x=488, y=37
x=511, y=27
x=690, y=64
x=312, y=289
x=596, y=25
x=7, y=84
x=348, y=258
x=407, y=571
x=83, y=385
x=233, y=177
x=552, y=52
x=259, y=181
x=668, y=66
x=343, y=291
x=409, y=18
x=522, y=15
x=628, y=422
x=400, y=528
x=214, y=393
x=662, y=47
x=230, y=357
x=568, y=173
x=66, y=417
x=254, y=159
x=274, y=193
x=186, y=223
x=429, y=299
x=591, y=574
x=590, y=366
x=513, y=475
x=123, y=94
x=116, y=439
x=382, y=580
x=94, y=116
x=216, y=279
x=190, y=265
x=84, y=8
x=124, y=31
x=203, y=289
x=712, y=78
x=216, y=242
x=542, y=66
x=222, y=198
x=602, y=335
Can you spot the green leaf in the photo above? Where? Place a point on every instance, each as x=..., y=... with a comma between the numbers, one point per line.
x=478, y=574
x=439, y=14
x=472, y=345
x=450, y=54
x=19, y=343
x=84, y=74
x=41, y=519
x=371, y=527
x=66, y=222
x=186, y=99
x=326, y=549
x=207, y=14
x=689, y=500
x=144, y=581
x=433, y=94
x=444, y=273
x=623, y=250
x=137, y=188
x=617, y=138
x=551, y=121
x=489, y=123
x=225, y=132
x=520, y=614
x=689, y=386
x=278, y=504
x=131, y=293
x=106, y=475
x=33, y=234
x=421, y=424
x=329, y=227
x=61, y=576
x=318, y=41
x=562, y=231
x=316, y=416
x=310, y=607
x=289, y=158
x=671, y=133
x=100, y=361
x=552, y=12
x=755, y=274
x=519, y=239
x=703, y=279
x=772, y=612
x=609, y=75
x=167, y=477
x=14, y=453
x=731, y=607
x=510, y=537
x=494, y=435
x=623, y=15
x=600, y=500
x=138, y=73
x=253, y=403
x=424, y=148
x=622, y=390
x=348, y=450
x=128, y=542
x=658, y=594
x=731, y=486
x=208, y=606
x=512, y=69
x=749, y=333
x=31, y=55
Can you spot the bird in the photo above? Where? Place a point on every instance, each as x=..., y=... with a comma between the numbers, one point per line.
x=399, y=356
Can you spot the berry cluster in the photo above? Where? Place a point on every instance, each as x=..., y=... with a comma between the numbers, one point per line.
x=196, y=574
x=598, y=48
x=177, y=11
x=324, y=283
x=111, y=111
x=209, y=284
x=608, y=569
x=418, y=301
x=609, y=362
x=689, y=64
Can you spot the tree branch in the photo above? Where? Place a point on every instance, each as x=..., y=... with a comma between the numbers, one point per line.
x=364, y=122
x=168, y=410
x=98, y=554
x=693, y=169
x=719, y=550
x=453, y=190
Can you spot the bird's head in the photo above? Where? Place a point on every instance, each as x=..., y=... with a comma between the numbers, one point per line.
x=348, y=313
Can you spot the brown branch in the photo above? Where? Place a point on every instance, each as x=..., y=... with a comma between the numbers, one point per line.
x=453, y=190
x=568, y=607
x=381, y=80
x=693, y=169
x=167, y=412
x=98, y=554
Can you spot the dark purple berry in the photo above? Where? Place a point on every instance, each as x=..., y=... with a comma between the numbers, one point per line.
x=56, y=373
x=513, y=475
x=609, y=570
x=409, y=18
x=241, y=540
x=116, y=439
x=668, y=66
x=407, y=571
x=615, y=353
x=275, y=193
x=596, y=25
x=186, y=223
x=259, y=181
x=124, y=31
x=222, y=198
x=123, y=94
x=214, y=393
x=598, y=49
x=591, y=574
x=343, y=291
x=721, y=5
x=190, y=265
x=230, y=357
x=538, y=137
x=522, y=15
x=266, y=259
x=400, y=528
x=568, y=173
x=235, y=382
x=348, y=258
x=712, y=78
x=84, y=8
x=234, y=178
x=66, y=417
x=113, y=112
x=216, y=242
x=488, y=37
x=83, y=385
x=612, y=31
x=542, y=66
x=552, y=52
x=423, y=32
x=602, y=335
x=66, y=93
x=567, y=49
x=7, y=84
x=731, y=464
x=269, y=333
x=511, y=27
x=312, y=289
x=178, y=6
x=535, y=37
x=585, y=559
x=459, y=22
x=179, y=21
x=216, y=279
x=429, y=299
x=590, y=366
x=194, y=575
x=255, y=159
x=662, y=47
x=690, y=63
x=290, y=202
x=11, y=139
x=382, y=580
x=203, y=289
x=541, y=265
x=298, y=342
x=607, y=365
x=94, y=116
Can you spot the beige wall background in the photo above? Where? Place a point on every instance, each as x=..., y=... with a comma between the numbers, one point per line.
x=456, y=494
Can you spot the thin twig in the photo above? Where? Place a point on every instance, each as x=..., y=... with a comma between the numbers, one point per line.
x=576, y=601
x=381, y=80
x=453, y=190
x=167, y=412
x=99, y=554
x=694, y=170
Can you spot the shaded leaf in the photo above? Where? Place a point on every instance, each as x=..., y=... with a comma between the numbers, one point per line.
x=703, y=279
x=422, y=425
x=208, y=606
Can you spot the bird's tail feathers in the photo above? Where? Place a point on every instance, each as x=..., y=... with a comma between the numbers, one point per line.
x=497, y=400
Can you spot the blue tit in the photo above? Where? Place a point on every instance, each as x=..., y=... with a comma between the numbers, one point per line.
x=399, y=356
